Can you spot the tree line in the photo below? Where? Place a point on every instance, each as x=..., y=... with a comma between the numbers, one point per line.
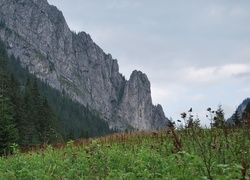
x=31, y=112
x=216, y=118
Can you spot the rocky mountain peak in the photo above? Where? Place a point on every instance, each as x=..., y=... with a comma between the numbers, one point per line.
x=38, y=34
x=136, y=108
x=139, y=83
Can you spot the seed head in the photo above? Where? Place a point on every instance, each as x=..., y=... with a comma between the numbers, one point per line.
x=183, y=115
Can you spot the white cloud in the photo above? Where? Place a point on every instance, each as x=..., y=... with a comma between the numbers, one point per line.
x=201, y=75
x=235, y=69
x=214, y=75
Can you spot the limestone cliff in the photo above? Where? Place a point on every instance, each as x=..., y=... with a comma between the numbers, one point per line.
x=38, y=34
x=136, y=107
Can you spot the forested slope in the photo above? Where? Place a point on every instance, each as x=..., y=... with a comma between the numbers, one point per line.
x=33, y=113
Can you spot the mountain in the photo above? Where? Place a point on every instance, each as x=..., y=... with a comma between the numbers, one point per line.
x=40, y=113
x=240, y=109
x=72, y=63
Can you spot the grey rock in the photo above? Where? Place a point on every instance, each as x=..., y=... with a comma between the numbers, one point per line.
x=38, y=34
x=136, y=106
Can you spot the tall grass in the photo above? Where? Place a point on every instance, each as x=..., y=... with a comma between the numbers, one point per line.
x=190, y=153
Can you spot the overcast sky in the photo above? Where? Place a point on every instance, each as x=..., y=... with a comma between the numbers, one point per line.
x=196, y=53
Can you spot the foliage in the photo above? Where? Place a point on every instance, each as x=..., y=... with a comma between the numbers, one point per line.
x=236, y=118
x=247, y=109
x=8, y=130
x=219, y=119
x=171, y=154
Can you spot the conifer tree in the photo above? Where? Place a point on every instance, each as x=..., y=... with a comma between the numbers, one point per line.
x=29, y=132
x=219, y=120
x=8, y=131
x=236, y=118
x=246, y=116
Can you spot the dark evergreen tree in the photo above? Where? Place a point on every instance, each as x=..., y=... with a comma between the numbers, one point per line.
x=236, y=118
x=219, y=120
x=29, y=128
x=8, y=131
x=49, y=126
x=247, y=109
x=246, y=116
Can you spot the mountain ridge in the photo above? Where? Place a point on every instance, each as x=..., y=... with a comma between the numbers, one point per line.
x=38, y=34
x=240, y=109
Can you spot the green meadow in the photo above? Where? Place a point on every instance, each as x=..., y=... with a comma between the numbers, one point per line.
x=193, y=153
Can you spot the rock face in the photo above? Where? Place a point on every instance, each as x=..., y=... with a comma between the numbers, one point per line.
x=136, y=107
x=38, y=34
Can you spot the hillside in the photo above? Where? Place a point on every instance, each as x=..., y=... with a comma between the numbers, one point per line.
x=37, y=34
x=34, y=113
x=240, y=111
